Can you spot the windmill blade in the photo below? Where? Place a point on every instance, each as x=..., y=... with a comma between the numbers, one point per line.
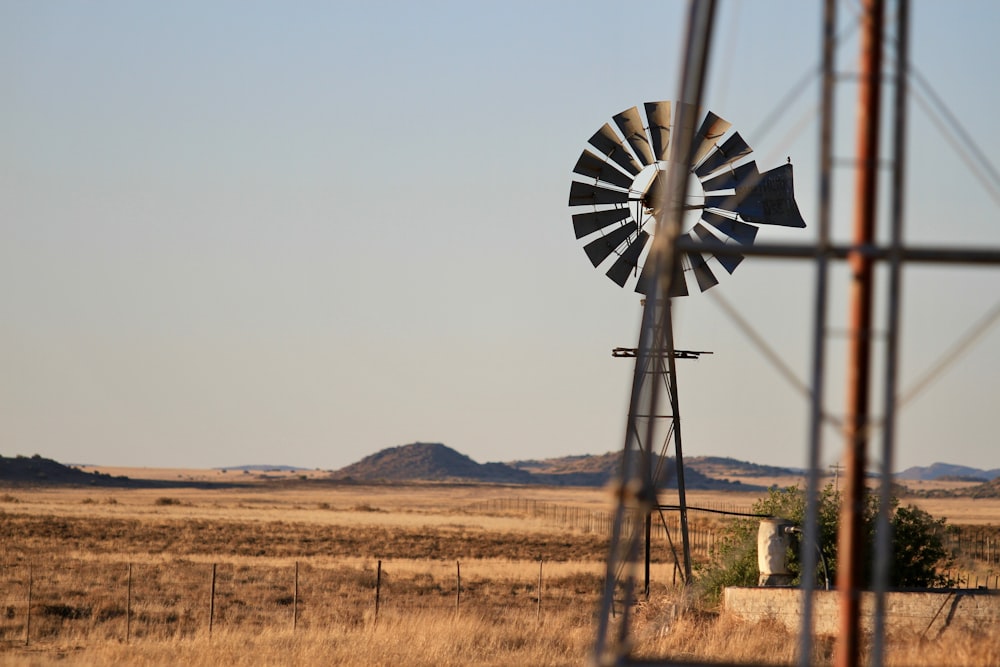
x=598, y=250
x=606, y=141
x=728, y=262
x=708, y=135
x=677, y=288
x=630, y=124
x=658, y=115
x=587, y=194
x=733, y=149
x=706, y=279
x=628, y=261
x=645, y=282
x=742, y=180
x=742, y=176
x=594, y=167
x=585, y=224
x=738, y=231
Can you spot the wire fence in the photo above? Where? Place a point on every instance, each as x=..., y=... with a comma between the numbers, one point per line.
x=978, y=544
x=599, y=522
x=131, y=601
x=975, y=543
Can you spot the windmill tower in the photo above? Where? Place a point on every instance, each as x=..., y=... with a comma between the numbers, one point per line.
x=621, y=195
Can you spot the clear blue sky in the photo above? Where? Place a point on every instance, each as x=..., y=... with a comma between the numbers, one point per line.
x=298, y=233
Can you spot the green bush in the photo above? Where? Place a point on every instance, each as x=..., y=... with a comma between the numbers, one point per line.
x=918, y=543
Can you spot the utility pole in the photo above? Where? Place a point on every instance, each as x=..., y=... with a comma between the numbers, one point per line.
x=836, y=468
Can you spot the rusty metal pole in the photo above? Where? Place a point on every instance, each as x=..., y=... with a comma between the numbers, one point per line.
x=851, y=547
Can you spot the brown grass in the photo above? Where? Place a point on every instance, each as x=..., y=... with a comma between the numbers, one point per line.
x=76, y=546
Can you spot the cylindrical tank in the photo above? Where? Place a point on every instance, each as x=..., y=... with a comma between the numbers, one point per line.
x=772, y=552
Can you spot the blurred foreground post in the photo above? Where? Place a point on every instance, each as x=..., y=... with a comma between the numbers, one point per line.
x=852, y=540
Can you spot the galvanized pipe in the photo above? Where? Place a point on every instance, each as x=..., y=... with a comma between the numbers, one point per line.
x=883, y=544
x=819, y=328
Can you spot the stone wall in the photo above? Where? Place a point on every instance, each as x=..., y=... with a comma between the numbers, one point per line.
x=924, y=611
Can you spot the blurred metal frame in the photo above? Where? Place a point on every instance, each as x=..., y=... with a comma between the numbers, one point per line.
x=636, y=491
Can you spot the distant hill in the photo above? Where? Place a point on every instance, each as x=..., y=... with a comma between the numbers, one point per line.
x=429, y=461
x=990, y=489
x=568, y=464
x=723, y=466
x=947, y=470
x=581, y=470
x=599, y=469
x=33, y=471
x=437, y=462
x=24, y=470
x=262, y=468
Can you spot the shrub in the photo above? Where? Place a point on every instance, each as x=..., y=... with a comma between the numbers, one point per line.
x=917, y=543
x=65, y=611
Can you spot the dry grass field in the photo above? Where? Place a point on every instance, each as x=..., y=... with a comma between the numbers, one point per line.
x=285, y=571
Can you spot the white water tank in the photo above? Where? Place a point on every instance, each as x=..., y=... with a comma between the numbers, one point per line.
x=772, y=552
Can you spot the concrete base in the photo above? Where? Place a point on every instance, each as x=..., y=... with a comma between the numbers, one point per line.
x=925, y=611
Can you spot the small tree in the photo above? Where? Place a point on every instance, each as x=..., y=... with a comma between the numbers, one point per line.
x=918, y=542
x=918, y=547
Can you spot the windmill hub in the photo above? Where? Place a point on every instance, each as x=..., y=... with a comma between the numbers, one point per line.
x=648, y=190
x=624, y=188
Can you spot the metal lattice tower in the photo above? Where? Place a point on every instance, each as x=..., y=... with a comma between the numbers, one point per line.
x=653, y=433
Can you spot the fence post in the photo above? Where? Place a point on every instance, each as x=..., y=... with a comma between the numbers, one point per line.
x=458, y=588
x=128, y=605
x=378, y=587
x=211, y=604
x=295, y=599
x=27, y=622
x=538, y=609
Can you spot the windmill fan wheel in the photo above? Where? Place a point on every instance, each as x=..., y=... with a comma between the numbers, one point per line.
x=619, y=188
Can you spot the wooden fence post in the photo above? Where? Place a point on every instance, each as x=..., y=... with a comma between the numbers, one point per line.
x=128, y=605
x=458, y=588
x=538, y=609
x=211, y=604
x=378, y=587
x=295, y=599
x=27, y=622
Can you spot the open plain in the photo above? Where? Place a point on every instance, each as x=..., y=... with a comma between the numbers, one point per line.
x=288, y=567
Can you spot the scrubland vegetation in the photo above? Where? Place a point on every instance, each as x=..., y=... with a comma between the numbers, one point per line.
x=126, y=577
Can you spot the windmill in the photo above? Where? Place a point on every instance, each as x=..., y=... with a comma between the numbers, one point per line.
x=623, y=190
x=619, y=200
